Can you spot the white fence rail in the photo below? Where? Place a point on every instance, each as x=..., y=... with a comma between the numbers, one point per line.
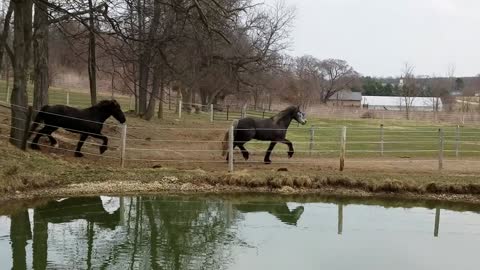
x=426, y=143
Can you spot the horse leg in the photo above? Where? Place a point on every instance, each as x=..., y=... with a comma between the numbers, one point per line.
x=290, y=147
x=267, y=160
x=228, y=152
x=83, y=137
x=244, y=151
x=46, y=130
x=103, y=147
x=53, y=141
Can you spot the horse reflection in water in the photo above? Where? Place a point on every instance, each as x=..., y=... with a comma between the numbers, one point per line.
x=90, y=209
x=279, y=210
x=57, y=212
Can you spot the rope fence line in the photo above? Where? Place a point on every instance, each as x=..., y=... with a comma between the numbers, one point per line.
x=437, y=137
x=64, y=149
x=228, y=112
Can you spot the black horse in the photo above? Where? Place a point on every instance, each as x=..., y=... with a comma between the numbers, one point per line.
x=273, y=129
x=86, y=122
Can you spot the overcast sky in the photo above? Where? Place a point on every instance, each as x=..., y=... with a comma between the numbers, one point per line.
x=378, y=36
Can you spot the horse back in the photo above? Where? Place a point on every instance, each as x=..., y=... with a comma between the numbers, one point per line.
x=260, y=129
x=72, y=119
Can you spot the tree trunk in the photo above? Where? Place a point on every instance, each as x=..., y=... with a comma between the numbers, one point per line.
x=155, y=89
x=162, y=94
x=92, y=61
x=40, y=237
x=21, y=43
x=40, y=56
x=4, y=36
x=143, y=83
x=187, y=98
x=145, y=58
x=20, y=233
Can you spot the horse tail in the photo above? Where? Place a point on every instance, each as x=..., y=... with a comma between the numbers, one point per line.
x=225, y=144
x=38, y=119
x=225, y=138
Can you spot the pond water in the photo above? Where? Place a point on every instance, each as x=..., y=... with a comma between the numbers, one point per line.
x=238, y=232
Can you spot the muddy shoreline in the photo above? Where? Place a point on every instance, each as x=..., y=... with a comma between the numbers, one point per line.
x=135, y=188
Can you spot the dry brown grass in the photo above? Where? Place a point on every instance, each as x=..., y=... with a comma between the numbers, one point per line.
x=24, y=171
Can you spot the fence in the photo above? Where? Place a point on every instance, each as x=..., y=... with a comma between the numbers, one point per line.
x=229, y=112
x=142, y=145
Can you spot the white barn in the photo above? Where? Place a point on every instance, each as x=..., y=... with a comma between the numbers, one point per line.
x=397, y=103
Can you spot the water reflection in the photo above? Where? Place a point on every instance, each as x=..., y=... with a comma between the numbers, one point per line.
x=279, y=210
x=192, y=232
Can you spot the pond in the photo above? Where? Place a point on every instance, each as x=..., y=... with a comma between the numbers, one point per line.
x=238, y=232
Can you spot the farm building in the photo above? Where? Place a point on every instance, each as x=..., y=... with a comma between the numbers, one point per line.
x=397, y=103
x=345, y=98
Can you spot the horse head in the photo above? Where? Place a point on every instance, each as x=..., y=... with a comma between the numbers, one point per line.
x=299, y=116
x=114, y=109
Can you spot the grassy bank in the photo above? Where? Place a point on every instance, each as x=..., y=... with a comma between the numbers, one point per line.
x=27, y=174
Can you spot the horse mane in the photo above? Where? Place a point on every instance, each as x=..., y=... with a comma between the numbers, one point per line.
x=288, y=111
x=103, y=103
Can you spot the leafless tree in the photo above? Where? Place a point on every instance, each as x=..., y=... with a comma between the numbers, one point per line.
x=337, y=75
x=409, y=89
x=40, y=55
x=22, y=37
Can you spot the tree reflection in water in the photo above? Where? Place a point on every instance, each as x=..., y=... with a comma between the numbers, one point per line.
x=165, y=232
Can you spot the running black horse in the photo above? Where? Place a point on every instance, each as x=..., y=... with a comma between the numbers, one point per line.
x=273, y=129
x=86, y=122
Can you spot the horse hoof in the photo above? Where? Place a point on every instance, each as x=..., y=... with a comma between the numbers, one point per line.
x=78, y=154
x=103, y=149
x=246, y=156
x=34, y=146
x=290, y=154
x=267, y=161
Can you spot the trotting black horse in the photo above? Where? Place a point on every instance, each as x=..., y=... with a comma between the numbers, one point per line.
x=273, y=129
x=86, y=122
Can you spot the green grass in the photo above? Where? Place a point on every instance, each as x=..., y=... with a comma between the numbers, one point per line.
x=57, y=95
x=402, y=138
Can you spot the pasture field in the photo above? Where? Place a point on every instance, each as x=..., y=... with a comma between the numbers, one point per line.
x=190, y=148
x=194, y=141
x=57, y=95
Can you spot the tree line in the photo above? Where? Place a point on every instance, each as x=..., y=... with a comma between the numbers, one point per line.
x=202, y=50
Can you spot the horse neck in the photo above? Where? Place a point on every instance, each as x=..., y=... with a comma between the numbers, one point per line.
x=99, y=114
x=285, y=120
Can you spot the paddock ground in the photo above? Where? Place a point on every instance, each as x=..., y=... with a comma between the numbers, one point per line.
x=195, y=143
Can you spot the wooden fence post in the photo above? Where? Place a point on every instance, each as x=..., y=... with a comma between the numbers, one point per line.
x=180, y=108
x=26, y=130
x=230, y=147
x=381, y=139
x=123, y=145
x=312, y=138
x=457, y=141
x=437, y=222
x=343, y=148
x=68, y=97
x=340, y=219
x=228, y=110
x=7, y=98
x=440, y=149
x=211, y=113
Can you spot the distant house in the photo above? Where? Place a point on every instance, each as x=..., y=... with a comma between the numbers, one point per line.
x=398, y=103
x=346, y=98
